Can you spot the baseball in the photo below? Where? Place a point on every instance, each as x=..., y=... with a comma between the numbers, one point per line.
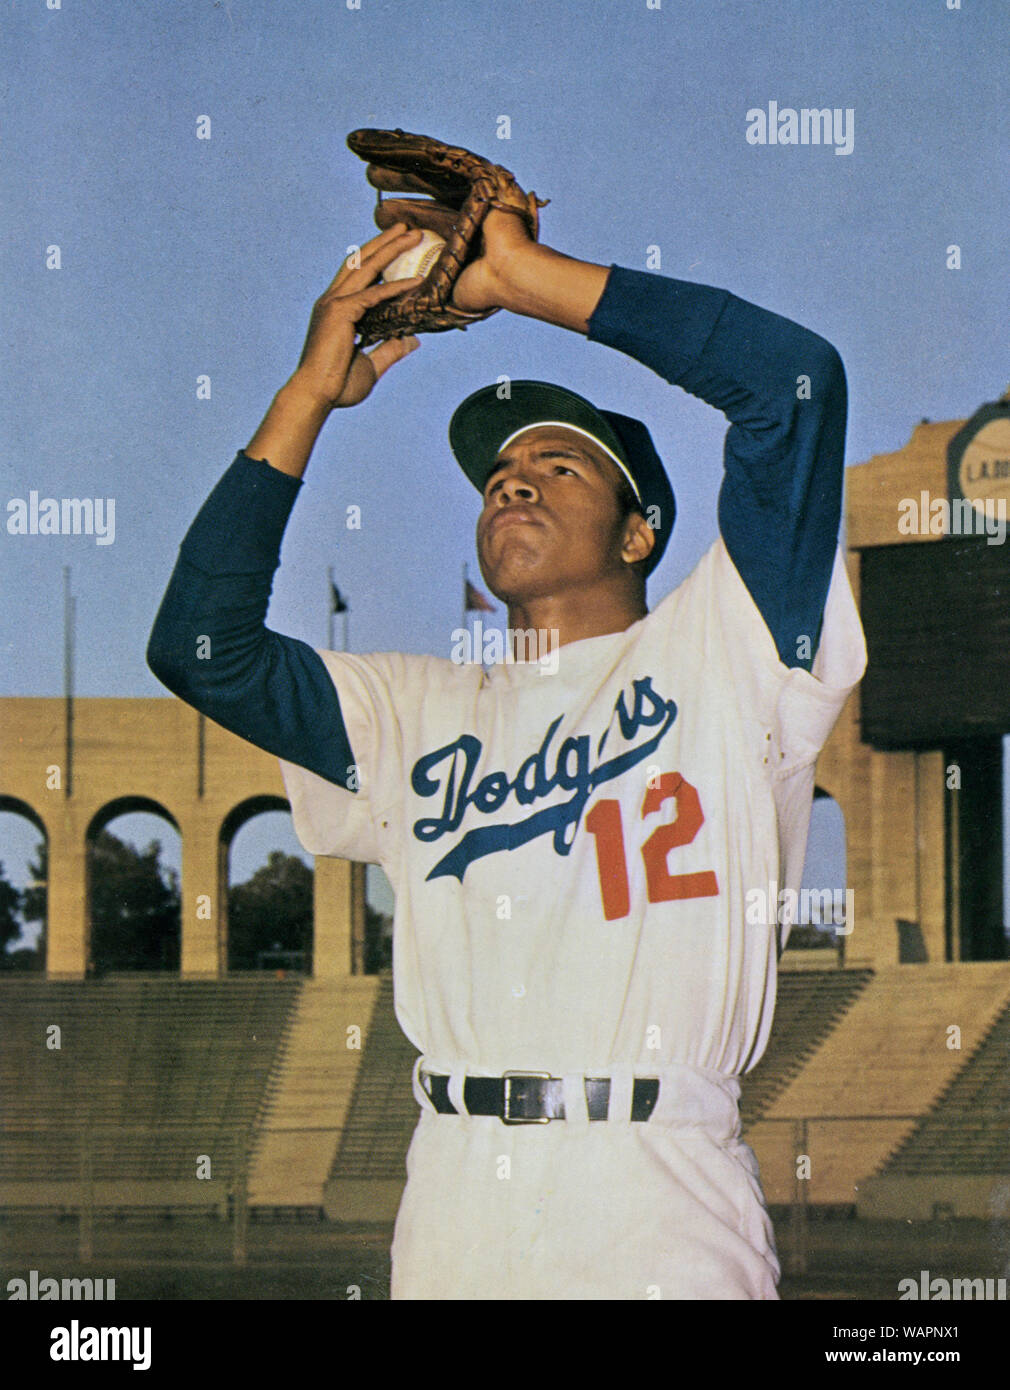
x=417, y=261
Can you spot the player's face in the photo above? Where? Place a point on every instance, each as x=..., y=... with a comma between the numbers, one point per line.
x=552, y=520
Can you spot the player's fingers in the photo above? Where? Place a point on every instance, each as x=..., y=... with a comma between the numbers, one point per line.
x=381, y=239
x=337, y=306
x=362, y=265
x=375, y=263
x=375, y=294
x=356, y=254
x=389, y=351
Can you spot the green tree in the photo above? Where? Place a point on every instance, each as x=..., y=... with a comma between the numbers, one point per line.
x=33, y=909
x=135, y=906
x=10, y=925
x=33, y=900
x=272, y=911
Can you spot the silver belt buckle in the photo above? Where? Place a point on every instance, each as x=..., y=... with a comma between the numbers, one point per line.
x=507, y=1078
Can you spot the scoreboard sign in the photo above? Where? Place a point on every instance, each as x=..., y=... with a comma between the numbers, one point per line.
x=937, y=624
x=978, y=461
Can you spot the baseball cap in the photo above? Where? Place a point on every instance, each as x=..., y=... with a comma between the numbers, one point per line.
x=485, y=422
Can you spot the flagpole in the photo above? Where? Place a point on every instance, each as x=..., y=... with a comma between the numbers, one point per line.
x=330, y=605
x=68, y=678
x=338, y=604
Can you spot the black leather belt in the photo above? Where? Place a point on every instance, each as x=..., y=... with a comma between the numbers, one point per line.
x=534, y=1098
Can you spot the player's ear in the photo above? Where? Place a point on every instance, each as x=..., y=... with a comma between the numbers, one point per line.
x=639, y=538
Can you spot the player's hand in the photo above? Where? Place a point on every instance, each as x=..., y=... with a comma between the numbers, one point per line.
x=331, y=368
x=485, y=282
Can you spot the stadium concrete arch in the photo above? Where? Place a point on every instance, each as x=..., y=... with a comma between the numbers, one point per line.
x=71, y=769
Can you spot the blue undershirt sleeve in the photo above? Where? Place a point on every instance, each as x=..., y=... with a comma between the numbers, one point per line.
x=783, y=390
x=211, y=647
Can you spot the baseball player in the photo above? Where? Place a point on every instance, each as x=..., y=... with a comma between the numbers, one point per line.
x=571, y=847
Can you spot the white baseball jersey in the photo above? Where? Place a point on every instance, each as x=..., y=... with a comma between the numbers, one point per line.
x=571, y=855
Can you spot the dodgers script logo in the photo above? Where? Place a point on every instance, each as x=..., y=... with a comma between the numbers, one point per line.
x=450, y=770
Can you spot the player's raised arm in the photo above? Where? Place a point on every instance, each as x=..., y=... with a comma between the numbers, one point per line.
x=781, y=387
x=333, y=372
x=209, y=644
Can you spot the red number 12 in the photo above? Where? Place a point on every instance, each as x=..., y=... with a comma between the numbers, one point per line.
x=604, y=823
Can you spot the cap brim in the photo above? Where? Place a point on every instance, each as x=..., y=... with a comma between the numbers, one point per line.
x=486, y=419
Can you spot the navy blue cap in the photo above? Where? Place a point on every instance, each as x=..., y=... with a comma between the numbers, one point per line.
x=487, y=420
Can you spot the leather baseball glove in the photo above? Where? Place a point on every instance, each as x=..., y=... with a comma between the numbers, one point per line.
x=459, y=187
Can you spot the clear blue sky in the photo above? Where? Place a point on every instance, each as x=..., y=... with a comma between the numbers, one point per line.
x=183, y=257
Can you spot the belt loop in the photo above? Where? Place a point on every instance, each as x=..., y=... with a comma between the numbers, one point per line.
x=576, y=1106
x=622, y=1081
x=697, y=1097
x=457, y=1078
x=420, y=1094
